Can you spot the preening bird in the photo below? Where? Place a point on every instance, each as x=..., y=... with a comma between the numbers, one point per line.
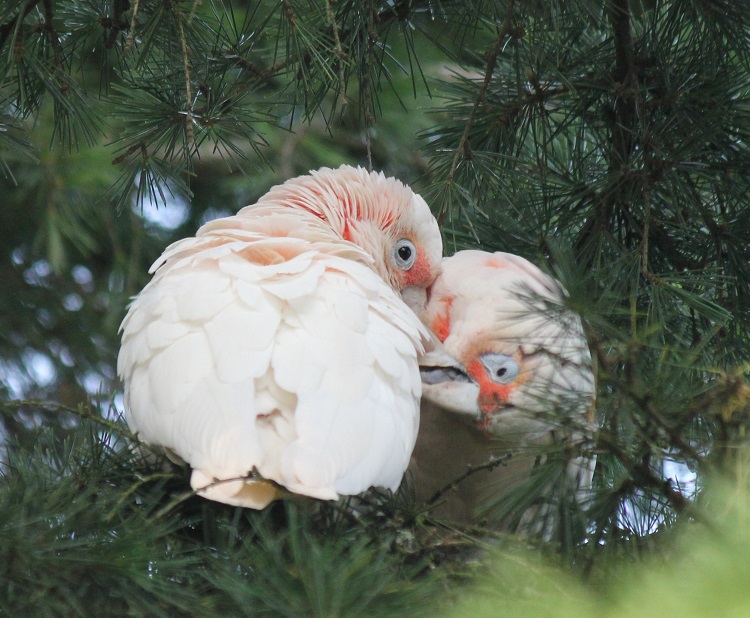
x=514, y=372
x=273, y=349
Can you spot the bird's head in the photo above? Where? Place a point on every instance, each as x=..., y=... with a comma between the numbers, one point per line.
x=509, y=354
x=381, y=215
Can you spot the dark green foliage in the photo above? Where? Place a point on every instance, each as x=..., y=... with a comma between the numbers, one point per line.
x=607, y=142
x=90, y=528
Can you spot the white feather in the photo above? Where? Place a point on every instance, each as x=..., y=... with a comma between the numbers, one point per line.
x=268, y=344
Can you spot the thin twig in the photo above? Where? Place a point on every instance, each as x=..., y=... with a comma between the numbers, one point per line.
x=289, y=13
x=114, y=23
x=189, y=131
x=33, y=403
x=57, y=51
x=372, y=37
x=643, y=476
x=260, y=71
x=489, y=71
x=644, y=241
x=196, y=4
x=142, y=480
x=253, y=476
x=340, y=53
x=139, y=146
x=470, y=470
x=673, y=432
x=464, y=146
x=130, y=39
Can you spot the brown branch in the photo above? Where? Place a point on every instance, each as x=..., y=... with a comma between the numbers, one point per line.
x=196, y=4
x=260, y=71
x=623, y=115
x=645, y=271
x=625, y=83
x=289, y=13
x=139, y=146
x=114, y=23
x=644, y=402
x=189, y=130
x=130, y=39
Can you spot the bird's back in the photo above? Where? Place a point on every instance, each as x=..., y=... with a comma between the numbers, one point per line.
x=250, y=352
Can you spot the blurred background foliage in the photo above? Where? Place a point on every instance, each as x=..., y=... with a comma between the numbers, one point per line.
x=605, y=141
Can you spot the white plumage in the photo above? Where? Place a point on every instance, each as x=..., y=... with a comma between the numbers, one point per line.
x=273, y=348
x=514, y=371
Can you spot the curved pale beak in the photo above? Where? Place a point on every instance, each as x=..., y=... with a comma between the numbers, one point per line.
x=415, y=298
x=446, y=383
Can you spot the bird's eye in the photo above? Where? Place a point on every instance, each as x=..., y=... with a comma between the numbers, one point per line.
x=404, y=254
x=501, y=368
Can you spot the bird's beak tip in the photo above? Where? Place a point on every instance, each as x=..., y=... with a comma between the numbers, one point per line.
x=446, y=383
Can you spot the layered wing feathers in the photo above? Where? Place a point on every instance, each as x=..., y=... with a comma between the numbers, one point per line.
x=269, y=354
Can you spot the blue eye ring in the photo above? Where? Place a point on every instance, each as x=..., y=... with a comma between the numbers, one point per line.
x=502, y=369
x=404, y=254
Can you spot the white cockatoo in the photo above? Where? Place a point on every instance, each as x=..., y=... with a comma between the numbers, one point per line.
x=273, y=349
x=514, y=372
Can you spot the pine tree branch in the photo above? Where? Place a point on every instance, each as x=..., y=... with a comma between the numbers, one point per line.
x=463, y=148
x=623, y=121
x=645, y=403
x=289, y=13
x=626, y=84
x=12, y=405
x=367, y=100
x=339, y=51
x=260, y=71
x=193, y=9
x=12, y=25
x=132, y=149
x=643, y=477
x=189, y=130
x=54, y=41
x=491, y=60
x=675, y=435
x=130, y=39
x=115, y=24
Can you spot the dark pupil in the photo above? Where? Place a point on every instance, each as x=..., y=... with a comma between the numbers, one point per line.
x=404, y=253
x=501, y=372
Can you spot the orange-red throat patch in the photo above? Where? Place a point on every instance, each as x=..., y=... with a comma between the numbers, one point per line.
x=441, y=324
x=419, y=274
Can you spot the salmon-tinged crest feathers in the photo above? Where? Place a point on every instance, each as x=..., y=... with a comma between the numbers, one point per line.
x=343, y=196
x=369, y=209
